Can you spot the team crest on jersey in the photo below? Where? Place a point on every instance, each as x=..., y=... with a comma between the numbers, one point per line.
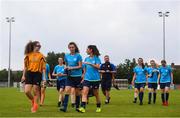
x=74, y=59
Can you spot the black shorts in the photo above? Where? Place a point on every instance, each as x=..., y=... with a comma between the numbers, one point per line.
x=33, y=78
x=164, y=85
x=61, y=84
x=140, y=85
x=152, y=85
x=106, y=84
x=73, y=81
x=91, y=85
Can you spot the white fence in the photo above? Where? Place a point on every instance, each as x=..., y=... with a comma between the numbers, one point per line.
x=122, y=83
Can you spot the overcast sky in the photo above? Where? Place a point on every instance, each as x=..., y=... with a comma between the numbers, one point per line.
x=120, y=28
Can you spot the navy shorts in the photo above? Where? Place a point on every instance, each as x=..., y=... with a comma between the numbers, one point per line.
x=152, y=85
x=61, y=84
x=106, y=84
x=73, y=81
x=33, y=78
x=140, y=85
x=163, y=85
x=91, y=85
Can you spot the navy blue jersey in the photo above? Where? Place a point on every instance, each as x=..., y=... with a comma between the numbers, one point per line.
x=107, y=67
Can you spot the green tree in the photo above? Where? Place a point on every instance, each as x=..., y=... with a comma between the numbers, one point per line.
x=125, y=70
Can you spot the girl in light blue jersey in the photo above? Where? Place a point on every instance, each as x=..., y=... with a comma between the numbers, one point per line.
x=165, y=79
x=91, y=77
x=139, y=80
x=59, y=73
x=153, y=73
x=73, y=62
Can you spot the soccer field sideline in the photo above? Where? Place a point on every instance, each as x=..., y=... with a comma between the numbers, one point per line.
x=15, y=103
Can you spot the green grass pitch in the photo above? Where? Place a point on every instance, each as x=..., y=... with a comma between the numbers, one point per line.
x=15, y=103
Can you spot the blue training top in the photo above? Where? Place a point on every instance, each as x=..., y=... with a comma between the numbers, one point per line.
x=92, y=74
x=60, y=70
x=72, y=61
x=153, y=72
x=165, y=74
x=140, y=74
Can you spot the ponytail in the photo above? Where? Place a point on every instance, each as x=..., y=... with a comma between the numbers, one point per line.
x=94, y=50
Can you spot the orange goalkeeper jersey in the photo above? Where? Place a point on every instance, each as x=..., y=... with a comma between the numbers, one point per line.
x=35, y=62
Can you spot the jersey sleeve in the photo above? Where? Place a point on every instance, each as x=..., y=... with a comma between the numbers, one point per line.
x=134, y=70
x=79, y=58
x=98, y=61
x=113, y=67
x=43, y=62
x=48, y=68
x=170, y=69
x=65, y=58
x=101, y=67
x=55, y=70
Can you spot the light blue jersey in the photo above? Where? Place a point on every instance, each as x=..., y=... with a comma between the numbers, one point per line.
x=153, y=72
x=60, y=70
x=92, y=74
x=47, y=72
x=72, y=61
x=165, y=73
x=140, y=74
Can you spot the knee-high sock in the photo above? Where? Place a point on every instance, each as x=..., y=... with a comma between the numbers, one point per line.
x=141, y=94
x=149, y=96
x=77, y=101
x=66, y=99
x=167, y=97
x=154, y=97
x=162, y=97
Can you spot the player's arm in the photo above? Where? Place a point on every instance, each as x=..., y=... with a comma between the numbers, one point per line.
x=172, y=78
x=159, y=76
x=97, y=66
x=25, y=68
x=49, y=75
x=43, y=62
x=23, y=76
x=84, y=71
x=76, y=67
x=134, y=77
x=54, y=73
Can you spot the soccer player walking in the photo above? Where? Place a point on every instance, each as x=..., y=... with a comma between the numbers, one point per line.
x=91, y=77
x=107, y=71
x=165, y=79
x=34, y=67
x=153, y=73
x=59, y=73
x=139, y=80
x=73, y=62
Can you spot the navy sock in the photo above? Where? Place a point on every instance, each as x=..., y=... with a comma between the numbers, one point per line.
x=83, y=104
x=66, y=99
x=154, y=97
x=77, y=101
x=149, y=96
x=98, y=105
x=162, y=97
x=141, y=94
x=167, y=96
x=135, y=99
